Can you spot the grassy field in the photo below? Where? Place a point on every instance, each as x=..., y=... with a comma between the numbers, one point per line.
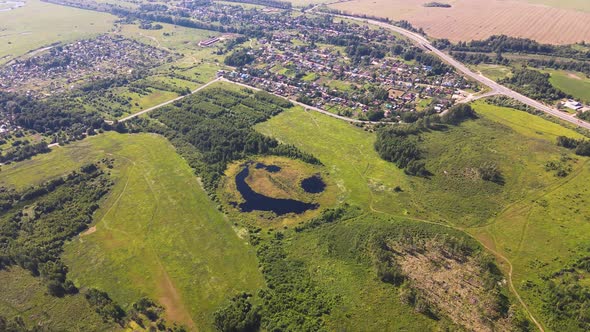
x=157, y=234
x=26, y=296
x=451, y=195
x=575, y=84
x=520, y=219
x=362, y=177
x=524, y=123
x=39, y=24
x=526, y=230
x=495, y=72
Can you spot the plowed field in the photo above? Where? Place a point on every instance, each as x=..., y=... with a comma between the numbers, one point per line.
x=479, y=19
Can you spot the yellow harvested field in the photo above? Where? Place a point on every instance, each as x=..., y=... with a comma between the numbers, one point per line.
x=478, y=19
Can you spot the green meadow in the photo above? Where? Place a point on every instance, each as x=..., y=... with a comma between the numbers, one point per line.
x=535, y=218
x=20, y=33
x=26, y=296
x=495, y=72
x=451, y=195
x=337, y=261
x=157, y=234
x=575, y=84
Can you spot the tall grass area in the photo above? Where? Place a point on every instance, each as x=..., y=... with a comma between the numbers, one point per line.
x=495, y=72
x=157, y=235
x=39, y=24
x=26, y=296
x=546, y=231
x=362, y=177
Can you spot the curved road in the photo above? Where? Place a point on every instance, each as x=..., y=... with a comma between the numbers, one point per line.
x=496, y=87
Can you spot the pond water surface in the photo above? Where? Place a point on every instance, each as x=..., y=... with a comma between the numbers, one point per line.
x=313, y=184
x=255, y=201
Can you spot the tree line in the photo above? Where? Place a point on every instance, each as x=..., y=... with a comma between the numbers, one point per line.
x=534, y=84
x=580, y=146
x=400, y=144
x=62, y=208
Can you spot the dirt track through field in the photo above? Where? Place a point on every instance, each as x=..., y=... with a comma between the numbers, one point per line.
x=478, y=19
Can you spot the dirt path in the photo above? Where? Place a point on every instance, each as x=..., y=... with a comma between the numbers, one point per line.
x=168, y=102
x=170, y=298
x=172, y=301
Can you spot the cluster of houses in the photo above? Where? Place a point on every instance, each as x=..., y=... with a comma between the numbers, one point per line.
x=61, y=68
x=289, y=69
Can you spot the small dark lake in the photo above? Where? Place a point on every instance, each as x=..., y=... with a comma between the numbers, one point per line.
x=255, y=201
x=268, y=168
x=313, y=184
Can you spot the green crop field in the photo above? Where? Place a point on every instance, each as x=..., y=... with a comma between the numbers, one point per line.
x=39, y=24
x=157, y=234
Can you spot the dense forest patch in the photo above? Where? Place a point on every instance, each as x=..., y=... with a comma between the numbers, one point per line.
x=214, y=127
x=37, y=221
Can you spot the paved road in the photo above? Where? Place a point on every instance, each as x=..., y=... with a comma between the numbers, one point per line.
x=496, y=87
x=168, y=102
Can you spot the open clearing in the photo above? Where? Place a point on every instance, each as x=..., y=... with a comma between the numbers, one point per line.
x=157, y=235
x=452, y=195
x=575, y=84
x=39, y=24
x=478, y=19
x=340, y=269
x=495, y=72
x=284, y=184
x=526, y=231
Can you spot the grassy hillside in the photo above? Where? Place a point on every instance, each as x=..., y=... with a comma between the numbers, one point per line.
x=158, y=234
x=546, y=231
x=335, y=257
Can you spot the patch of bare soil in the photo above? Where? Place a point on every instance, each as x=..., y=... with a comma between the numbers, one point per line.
x=574, y=76
x=89, y=231
x=455, y=287
x=172, y=302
